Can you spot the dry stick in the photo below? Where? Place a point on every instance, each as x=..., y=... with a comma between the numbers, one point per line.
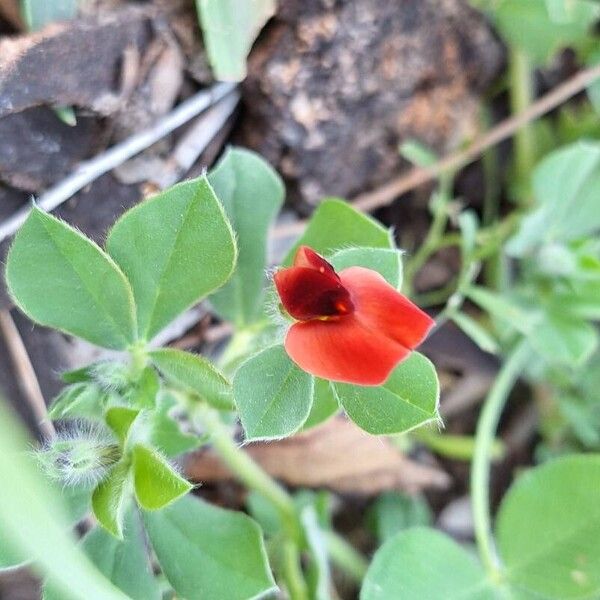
x=420, y=175
x=90, y=170
x=27, y=379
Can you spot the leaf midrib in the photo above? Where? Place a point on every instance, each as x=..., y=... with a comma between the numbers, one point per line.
x=165, y=265
x=216, y=559
x=276, y=396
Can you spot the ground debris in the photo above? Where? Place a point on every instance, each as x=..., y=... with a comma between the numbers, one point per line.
x=334, y=86
x=37, y=148
x=81, y=77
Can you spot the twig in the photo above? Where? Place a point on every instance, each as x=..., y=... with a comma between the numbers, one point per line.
x=90, y=170
x=460, y=159
x=457, y=160
x=26, y=377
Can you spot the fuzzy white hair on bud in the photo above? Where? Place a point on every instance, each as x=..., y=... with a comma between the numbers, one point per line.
x=110, y=376
x=81, y=455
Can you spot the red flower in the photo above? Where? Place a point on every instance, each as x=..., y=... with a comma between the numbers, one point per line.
x=353, y=326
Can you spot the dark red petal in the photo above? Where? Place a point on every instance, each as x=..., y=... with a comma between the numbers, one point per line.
x=381, y=308
x=343, y=350
x=309, y=294
x=307, y=257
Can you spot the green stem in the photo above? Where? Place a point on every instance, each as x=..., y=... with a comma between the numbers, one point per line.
x=458, y=447
x=521, y=96
x=437, y=296
x=292, y=572
x=249, y=473
x=494, y=265
x=345, y=556
x=435, y=234
x=139, y=360
x=483, y=454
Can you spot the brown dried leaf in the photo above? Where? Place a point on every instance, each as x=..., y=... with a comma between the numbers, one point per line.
x=166, y=79
x=337, y=455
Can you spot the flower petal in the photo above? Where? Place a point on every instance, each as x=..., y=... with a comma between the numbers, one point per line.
x=343, y=350
x=308, y=293
x=381, y=308
x=307, y=257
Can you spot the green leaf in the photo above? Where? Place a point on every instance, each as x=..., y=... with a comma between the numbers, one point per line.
x=166, y=434
x=504, y=308
x=530, y=27
x=106, y=373
x=33, y=520
x=408, y=399
x=229, y=28
x=195, y=374
x=9, y=559
x=208, y=553
x=264, y=512
x=565, y=341
x=175, y=248
x=325, y=404
x=143, y=395
x=482, y=337
x=81, y=375
x=387, y=262
x=252, y=193
x=77, y=400
x=124, y=562
x=548, y=529
x=156, y=483
x=38, y=13
x=422, y=563
x=335, y=224
x=417, y=153
x=566, y=186
x=393, y=512
x=61, y=279
x=469, y=224
x=110, y=498
x=77, y=500
x=583, y=419
x=556, y=260
x=120, y=419
x=272, y=394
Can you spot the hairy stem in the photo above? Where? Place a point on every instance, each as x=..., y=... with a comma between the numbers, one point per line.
x=249, y=473
x=483, y=455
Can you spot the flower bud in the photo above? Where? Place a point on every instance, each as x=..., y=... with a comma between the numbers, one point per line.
x=81, y=456
x=110, y=376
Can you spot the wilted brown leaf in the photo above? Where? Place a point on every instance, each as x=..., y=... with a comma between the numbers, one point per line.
x=337, y=455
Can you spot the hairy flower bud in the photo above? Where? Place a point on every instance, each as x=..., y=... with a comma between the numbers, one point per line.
x=81, y=456
x=110, y=376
